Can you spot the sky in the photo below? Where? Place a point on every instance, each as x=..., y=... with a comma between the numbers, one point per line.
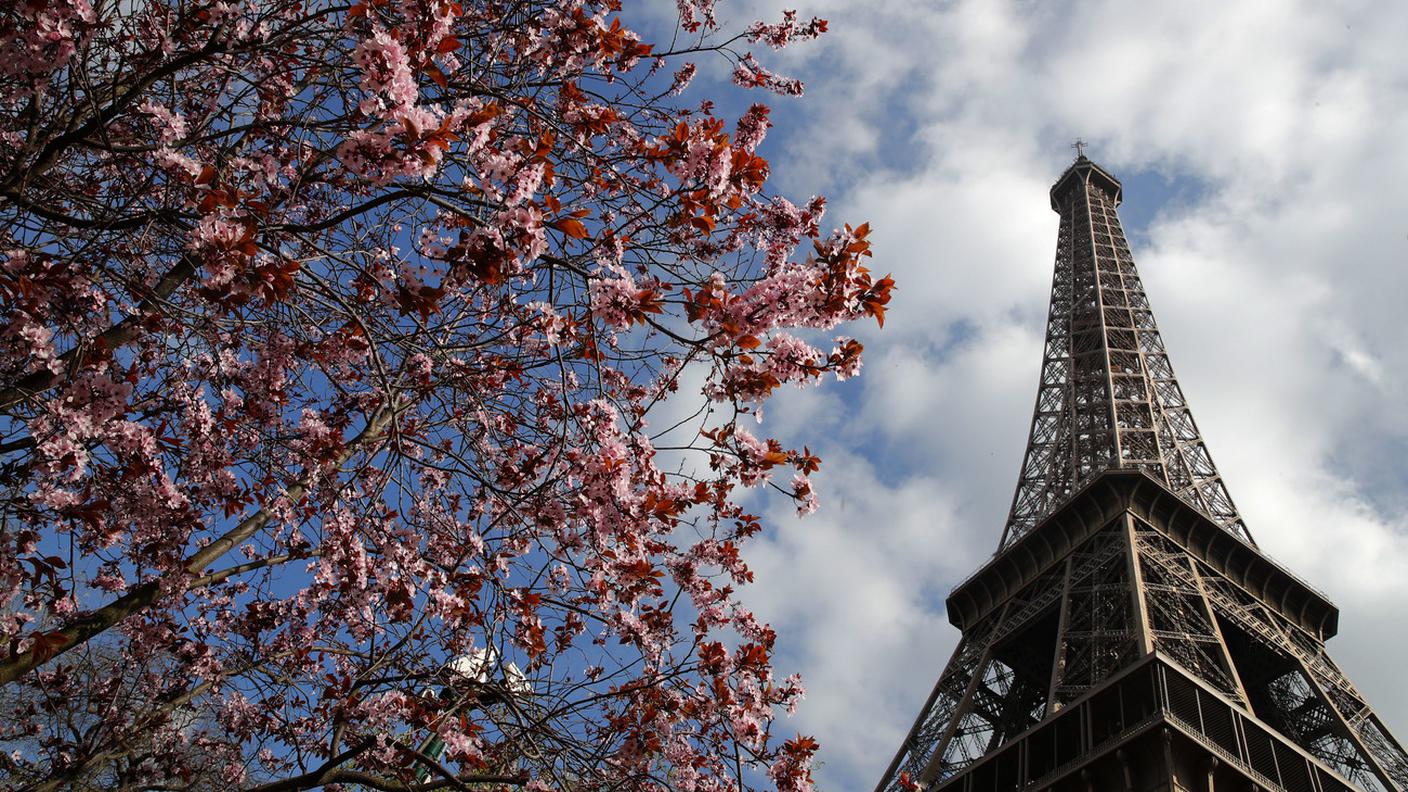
x=1261, y=147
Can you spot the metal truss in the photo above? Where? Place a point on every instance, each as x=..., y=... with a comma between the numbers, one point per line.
x=1310, y=698
x=1129, y=591
x=1180, y=620
x=1092, y=582
x=1108, y=397
x=1098, y=633
x=965, y=717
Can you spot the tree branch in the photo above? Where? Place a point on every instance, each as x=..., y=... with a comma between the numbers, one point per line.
x=112, y=338
x=141, y=597
x=330, y=772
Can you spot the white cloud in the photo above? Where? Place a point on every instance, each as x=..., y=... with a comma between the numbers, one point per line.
x=1278, y=281
x=858, y=585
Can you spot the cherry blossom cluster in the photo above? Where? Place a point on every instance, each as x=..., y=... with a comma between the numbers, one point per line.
x=750, y=73
x=45, y=39
x=336, y=349
x=780, y=34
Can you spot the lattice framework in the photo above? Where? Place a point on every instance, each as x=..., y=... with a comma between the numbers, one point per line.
x=1133, y=588
x=1108, y=397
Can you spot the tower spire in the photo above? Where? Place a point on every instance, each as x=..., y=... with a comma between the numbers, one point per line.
x=1108, y=398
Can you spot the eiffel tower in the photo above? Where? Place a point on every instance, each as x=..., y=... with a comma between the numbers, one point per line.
x=1128, y=635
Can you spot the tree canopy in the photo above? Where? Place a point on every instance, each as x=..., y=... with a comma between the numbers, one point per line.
x=370, y=384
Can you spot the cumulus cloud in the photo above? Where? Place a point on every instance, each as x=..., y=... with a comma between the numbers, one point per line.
x=1266, y=139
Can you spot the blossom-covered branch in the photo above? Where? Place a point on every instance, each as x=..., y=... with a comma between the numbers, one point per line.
x=337, y=342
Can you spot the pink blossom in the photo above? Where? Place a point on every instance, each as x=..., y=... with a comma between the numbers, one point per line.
x=550, y=324
x=782, y=225
x=232, y=773
x=239, y=715
x=851, y=366
x=788, y=30
x=695, y=14
x=397, y=151
x=419, y=368
x=64, y=607
x=752, y=127
x=614, y=300
x=109, y=580
x=803, y=494
x=497, y=168
x=45, y=40
x=177, y=163
x=751, y=452
x=38, y=339
x=522, y=230
x=171, y=126
x=386, y=70
x=683, y=77
x=524, y=185
x=219, y=240
x=460, y=747
x=53, y=497
x=749, y=73
x=790, y=358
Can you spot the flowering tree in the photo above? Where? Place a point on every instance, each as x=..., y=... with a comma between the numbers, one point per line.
x=338, y=341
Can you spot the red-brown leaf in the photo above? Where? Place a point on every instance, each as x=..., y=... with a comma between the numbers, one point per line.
x=571, y=227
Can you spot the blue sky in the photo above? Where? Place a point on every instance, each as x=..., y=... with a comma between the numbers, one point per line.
x=1266, y=186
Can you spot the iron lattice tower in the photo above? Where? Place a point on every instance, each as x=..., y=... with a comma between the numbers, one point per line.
x=1128, y=634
